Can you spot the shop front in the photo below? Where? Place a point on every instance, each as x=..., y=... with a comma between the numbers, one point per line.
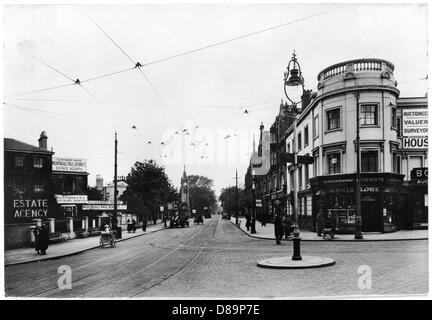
x=380, y=210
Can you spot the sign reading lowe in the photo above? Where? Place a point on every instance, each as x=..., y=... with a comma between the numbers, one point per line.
x=69, y=165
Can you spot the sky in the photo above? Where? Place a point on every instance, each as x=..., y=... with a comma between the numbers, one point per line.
x=202, y=95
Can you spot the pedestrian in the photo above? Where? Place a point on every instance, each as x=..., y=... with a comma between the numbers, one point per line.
x=278, y=228
x=334, y=224
x=144, y=225
x=134, y=225
x=129, y=225
x=248, y=219
x=320, y=222
x=154, y=219
x=264, y=219
x=41, y=234
x=286, y=221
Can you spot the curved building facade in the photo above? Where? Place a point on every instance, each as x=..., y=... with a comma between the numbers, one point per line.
x=326, y=131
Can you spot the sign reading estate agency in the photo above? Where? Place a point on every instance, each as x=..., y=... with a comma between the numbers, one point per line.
x=69, y=165
x=32, y=208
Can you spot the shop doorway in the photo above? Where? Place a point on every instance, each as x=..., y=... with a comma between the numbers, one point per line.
x=370, y=215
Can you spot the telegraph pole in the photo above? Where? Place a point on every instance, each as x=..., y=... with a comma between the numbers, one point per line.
x=236, y=177
x=115, y=186
x=358, y=218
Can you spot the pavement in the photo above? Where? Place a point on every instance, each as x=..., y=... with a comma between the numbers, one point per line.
x=267, y=232
x=69, y=247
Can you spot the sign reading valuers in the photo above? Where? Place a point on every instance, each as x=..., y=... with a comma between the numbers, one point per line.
x=69, y=165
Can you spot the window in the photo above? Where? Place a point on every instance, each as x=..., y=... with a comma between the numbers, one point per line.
x=393, y=119
x=368, y=114
x=333, y=163
x=333, y=119
x=316, y=127
x=299, y=141
x=38, y=187
x=306, y=174
x=398, y=126
x=291, y=180
x=289, y=148
x=300, y=176
x=306, y=136
x=396, y=163
x=37, y=163
x=315, y=166
x=369, y=161
x=19, y=161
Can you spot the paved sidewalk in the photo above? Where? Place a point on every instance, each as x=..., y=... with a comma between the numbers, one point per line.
x=69, y=247
x=267, y=232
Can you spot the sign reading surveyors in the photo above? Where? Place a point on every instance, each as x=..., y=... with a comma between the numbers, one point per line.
x=69, y=165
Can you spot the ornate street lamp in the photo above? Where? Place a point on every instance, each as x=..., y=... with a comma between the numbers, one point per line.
x=294, y=90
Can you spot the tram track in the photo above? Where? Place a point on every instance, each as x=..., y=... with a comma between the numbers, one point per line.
x=118, y=265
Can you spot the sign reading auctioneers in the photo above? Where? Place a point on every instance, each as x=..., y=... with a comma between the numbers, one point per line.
x=69, y=165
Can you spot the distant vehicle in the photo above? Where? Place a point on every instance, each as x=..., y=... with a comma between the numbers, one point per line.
x=207, y=213
x=181, y=217
x=226, y=216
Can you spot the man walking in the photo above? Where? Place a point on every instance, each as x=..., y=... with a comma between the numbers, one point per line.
x=278, y=228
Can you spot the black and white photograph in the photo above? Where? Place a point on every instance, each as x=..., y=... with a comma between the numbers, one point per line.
x=215, y=151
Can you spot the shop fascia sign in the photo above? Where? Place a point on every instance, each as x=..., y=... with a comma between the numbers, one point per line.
x=415, y=128
x=103, y=207
x=419, y=175
x=78, y=198
x=69, y=165
x=30, y=208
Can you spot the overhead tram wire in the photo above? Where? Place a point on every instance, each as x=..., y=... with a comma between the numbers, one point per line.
x=236, y=38
x=137, y=64
x=178, y=55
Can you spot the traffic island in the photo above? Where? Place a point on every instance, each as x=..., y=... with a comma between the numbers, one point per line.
x=289, y=263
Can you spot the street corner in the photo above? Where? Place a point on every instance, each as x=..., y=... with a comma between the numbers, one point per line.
x=288, y=263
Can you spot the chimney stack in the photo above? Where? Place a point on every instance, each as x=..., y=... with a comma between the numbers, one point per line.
x=43, y=141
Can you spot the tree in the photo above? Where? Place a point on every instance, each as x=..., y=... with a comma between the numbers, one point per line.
x=148, y=188
x=228, y=199
x=94, y=193
x=201, y=193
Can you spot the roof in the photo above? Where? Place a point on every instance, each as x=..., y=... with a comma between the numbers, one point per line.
x=18, y=146
x=261, y=165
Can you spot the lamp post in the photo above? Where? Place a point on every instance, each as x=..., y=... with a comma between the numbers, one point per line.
x=294, y=89
x=115, y=221
x=253, y=207
x=358, y=219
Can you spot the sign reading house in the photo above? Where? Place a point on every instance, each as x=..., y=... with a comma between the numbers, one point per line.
x=69, y=165
x=415, y=128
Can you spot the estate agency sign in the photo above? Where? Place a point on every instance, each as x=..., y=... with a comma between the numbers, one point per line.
x=414, y=128
x=69, y=165
x=30, y=208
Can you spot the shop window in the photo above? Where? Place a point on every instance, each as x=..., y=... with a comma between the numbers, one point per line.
x=316, y=127
x=333, y=119
x=289, y=148
x=291, y=180
x=38, y=188
x=333, y=163
x=37, y=163
x=368, y=114
x=369, y=161
x=19, y=161
x=306, y=136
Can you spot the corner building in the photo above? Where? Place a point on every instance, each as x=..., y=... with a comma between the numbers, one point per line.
x=326, y=130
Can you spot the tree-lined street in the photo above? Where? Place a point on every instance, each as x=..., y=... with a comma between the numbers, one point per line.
x=218, y=260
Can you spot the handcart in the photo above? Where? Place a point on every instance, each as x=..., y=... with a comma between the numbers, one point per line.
x=107, y=238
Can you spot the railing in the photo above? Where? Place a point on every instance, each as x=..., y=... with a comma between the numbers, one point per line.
x=354, y=66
